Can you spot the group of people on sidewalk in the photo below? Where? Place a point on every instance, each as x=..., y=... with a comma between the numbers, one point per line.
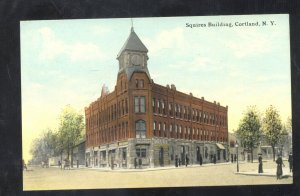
x=178, y=161
x=279, y=163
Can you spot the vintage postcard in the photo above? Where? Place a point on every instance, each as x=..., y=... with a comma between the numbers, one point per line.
x=156, y=102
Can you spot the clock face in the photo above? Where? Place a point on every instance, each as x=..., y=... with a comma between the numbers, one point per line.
x=136, y=60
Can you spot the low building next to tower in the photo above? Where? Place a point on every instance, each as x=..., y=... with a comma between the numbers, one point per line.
x=144, y=124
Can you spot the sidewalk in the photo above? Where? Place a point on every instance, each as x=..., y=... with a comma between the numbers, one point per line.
x=152, y=169
x=266, y=172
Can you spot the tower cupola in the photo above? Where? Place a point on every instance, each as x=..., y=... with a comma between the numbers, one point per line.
x=133, y=56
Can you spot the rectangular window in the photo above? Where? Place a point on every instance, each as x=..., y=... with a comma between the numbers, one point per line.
x=141, y=83
x=126, y=106
x=170, y=109
x=141, y=152
x=163, y=107
x=139, y=104
x=142, y=104
x=123, y=111
x=136, y=104
x=180, y=111
x=136, y=83
x=153, y=105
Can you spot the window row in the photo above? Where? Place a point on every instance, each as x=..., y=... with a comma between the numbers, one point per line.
x=187, y=113
x=178, y=131
x=108, y=114
x=113, y=133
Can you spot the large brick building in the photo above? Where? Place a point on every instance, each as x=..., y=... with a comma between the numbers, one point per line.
x=153, y=123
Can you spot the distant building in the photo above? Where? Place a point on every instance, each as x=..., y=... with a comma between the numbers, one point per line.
x=142, y=120
x=283, y=148
x=79, y=153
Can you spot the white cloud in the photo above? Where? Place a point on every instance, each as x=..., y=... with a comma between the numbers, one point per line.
x=166, y=39
x=99, y=30
x=250, y=43
x=53, y=47
x=269, y=78
x=199, y=63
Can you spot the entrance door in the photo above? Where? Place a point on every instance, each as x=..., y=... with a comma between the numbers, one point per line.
x=161, y=157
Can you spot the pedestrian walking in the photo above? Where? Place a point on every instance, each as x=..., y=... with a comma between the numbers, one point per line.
x=279, y=163
x=291, y=162
x=234, y=157
x=215, y=159
x=186, y=160
x=24, y=165
x=176, y=161
x=140, y=163
x=231, y=158
x=200, y=159
x=77, y=163
x=260, y=165
x=135, y=162
x=179, y=161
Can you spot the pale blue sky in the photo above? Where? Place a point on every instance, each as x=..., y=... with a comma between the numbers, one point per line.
x=67, y=61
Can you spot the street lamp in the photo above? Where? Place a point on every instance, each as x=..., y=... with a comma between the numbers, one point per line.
x=237, y=156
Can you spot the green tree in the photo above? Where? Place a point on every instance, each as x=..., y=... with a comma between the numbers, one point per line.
x=272, y=127
x=249, y=129
x=43, y=147
x=70, y=130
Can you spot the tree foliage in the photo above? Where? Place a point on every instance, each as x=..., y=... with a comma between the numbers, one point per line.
x=43, y=147
x=249, y=129
x=70, y=130
x=52, y=143
x=272, y=127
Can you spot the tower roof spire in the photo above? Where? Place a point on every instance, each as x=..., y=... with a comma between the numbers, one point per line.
x=133, y=43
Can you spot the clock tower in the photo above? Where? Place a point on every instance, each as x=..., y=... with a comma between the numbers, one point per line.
x=133, y=56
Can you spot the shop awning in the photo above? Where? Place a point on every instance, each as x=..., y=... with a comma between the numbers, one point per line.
x=220, y=146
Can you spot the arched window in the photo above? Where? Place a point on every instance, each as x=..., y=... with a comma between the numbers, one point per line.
x=140, y=128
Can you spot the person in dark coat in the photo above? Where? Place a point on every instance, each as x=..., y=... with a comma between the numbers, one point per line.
x=200, y=159
x=135, y=162
x=235, y=158
x=279, y=163
x=186, y=160
x=24, y=165
x=260, y=165
x=291, y=162
x=140, y=163
x=231, y=158
x=176, y=161
x=215, y=159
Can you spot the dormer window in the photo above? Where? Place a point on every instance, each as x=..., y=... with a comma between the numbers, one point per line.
x=141, y=83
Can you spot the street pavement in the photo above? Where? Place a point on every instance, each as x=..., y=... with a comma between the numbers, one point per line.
x=223, y=174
